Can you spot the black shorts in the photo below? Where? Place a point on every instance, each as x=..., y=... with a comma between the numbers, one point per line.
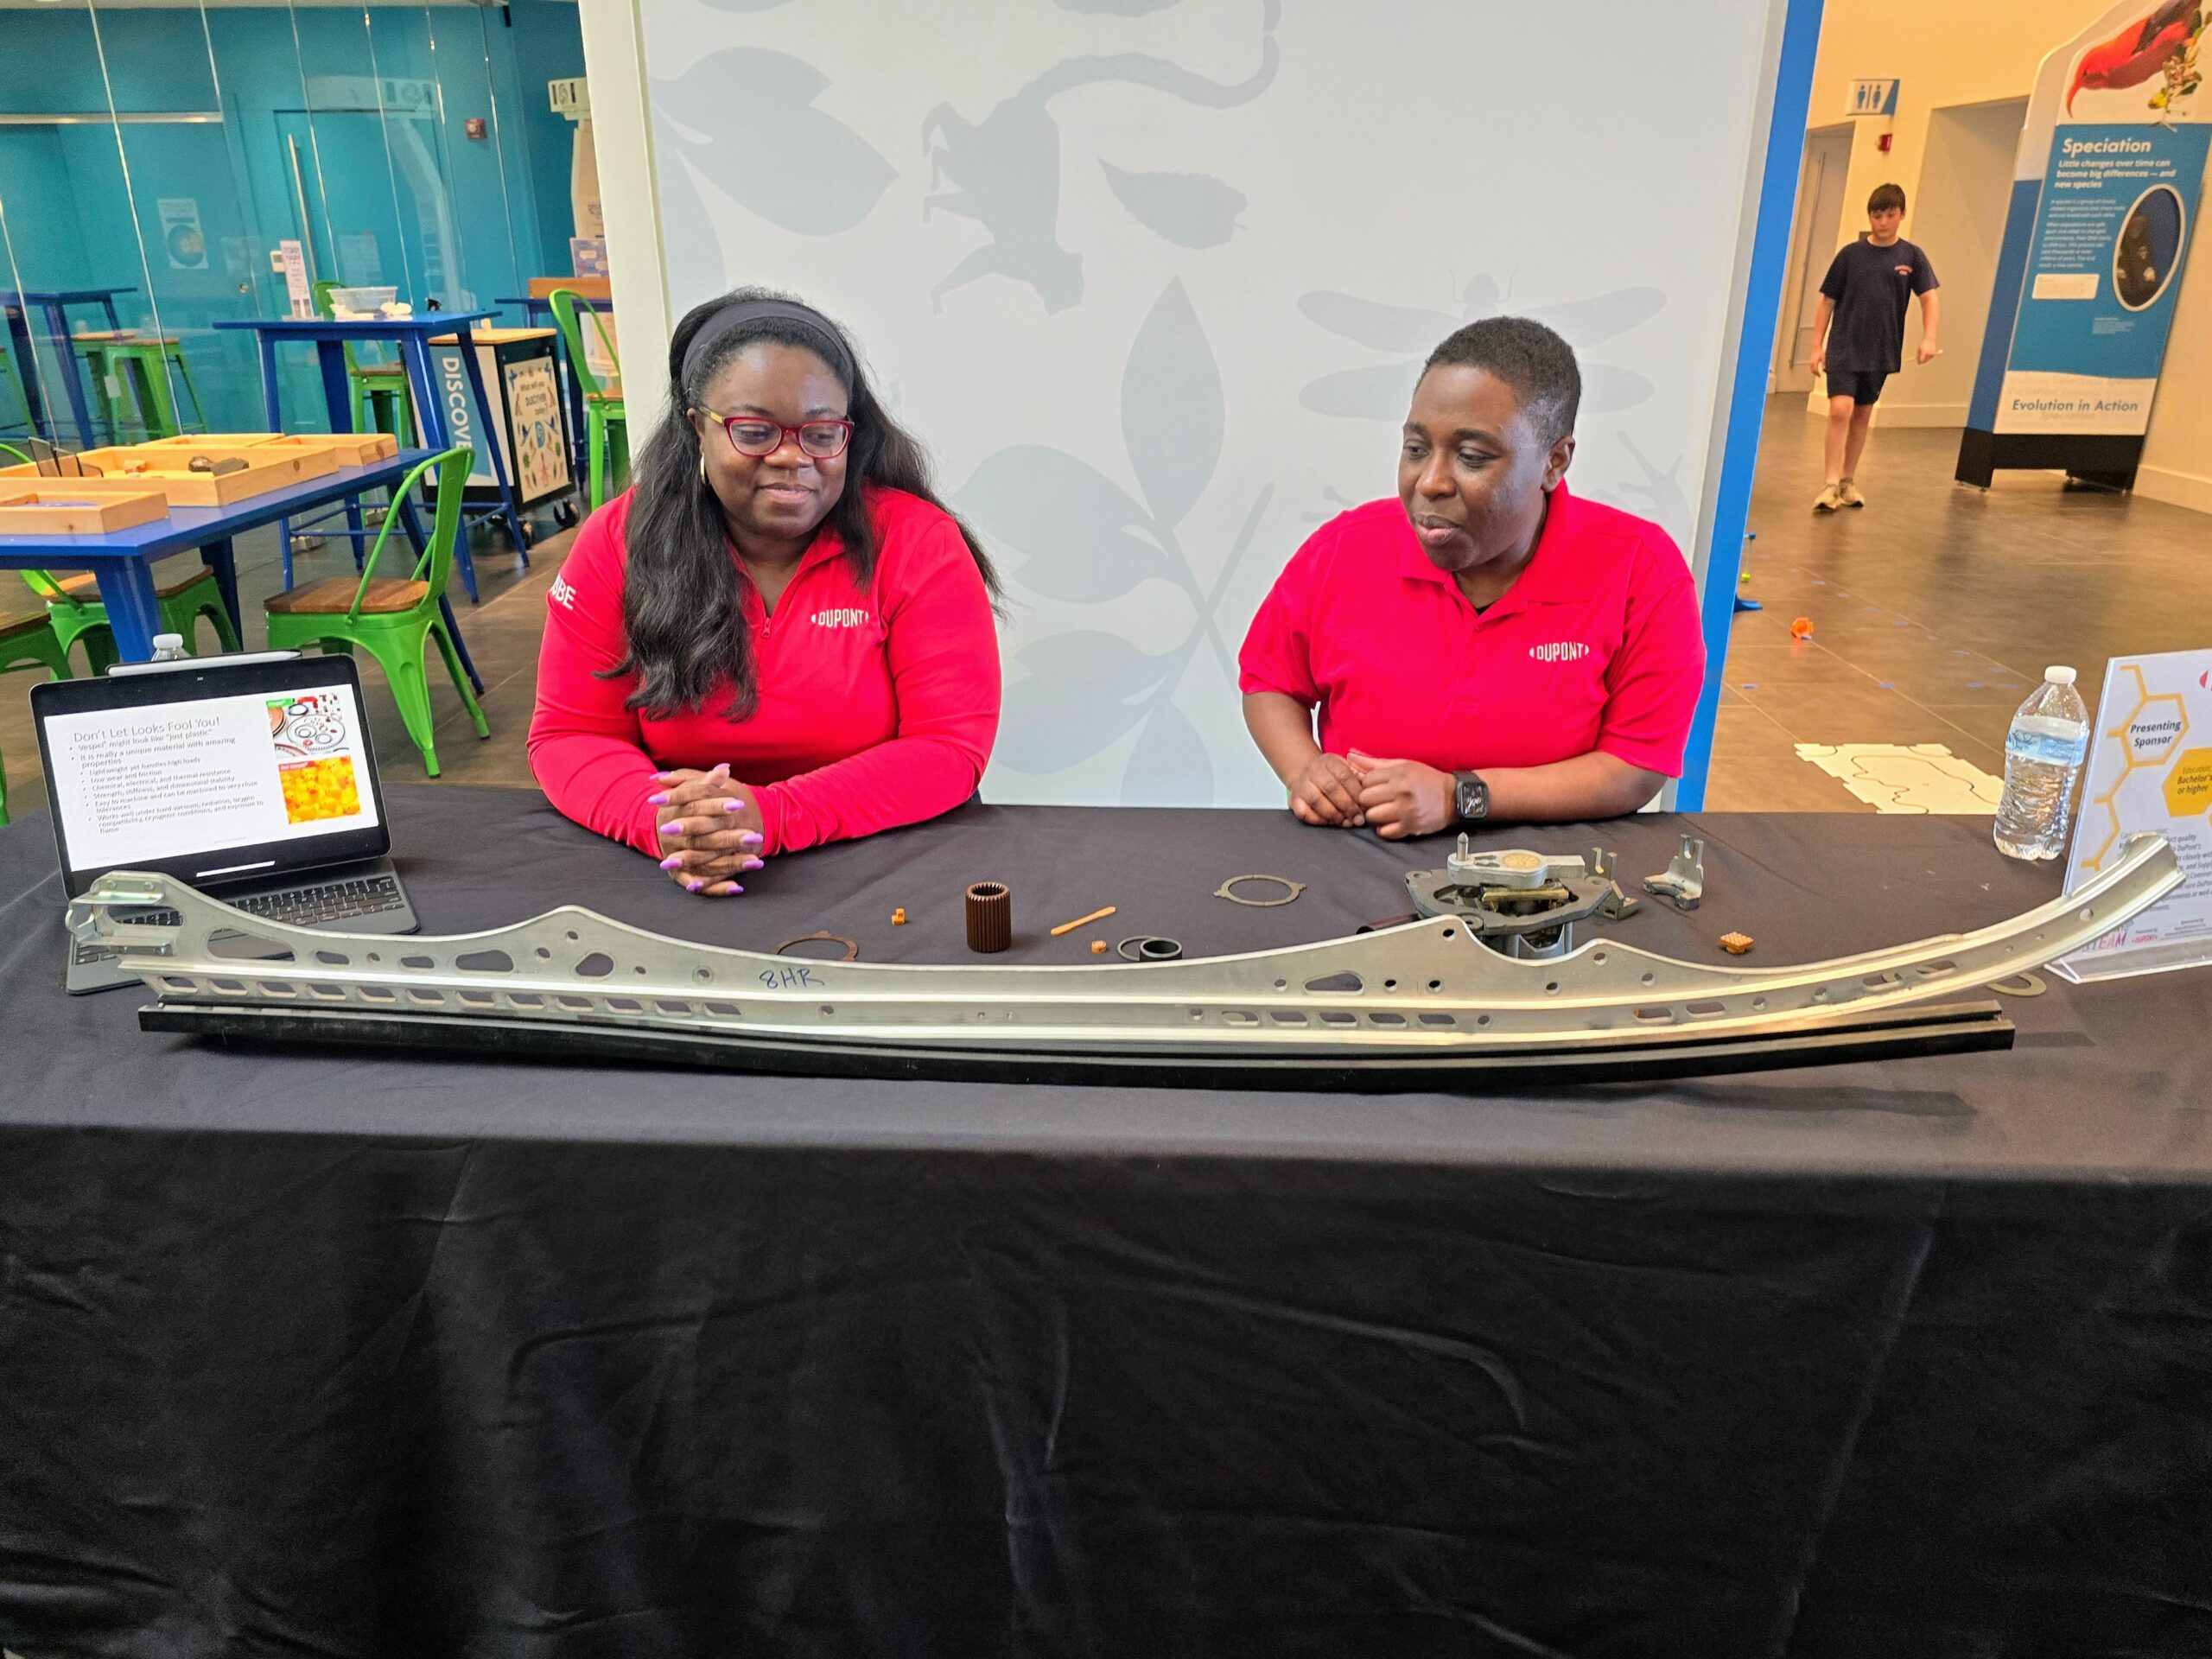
x=1862, y=386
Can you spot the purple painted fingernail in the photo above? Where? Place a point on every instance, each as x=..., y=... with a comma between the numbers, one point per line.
x=663, y=776
x=673, y=861
x=752, y=864
x=750, y=838
x=693, y=887
x=721, y=771
x=673, y=827
x=734, y=891
x=660, y=799
x=733, y=805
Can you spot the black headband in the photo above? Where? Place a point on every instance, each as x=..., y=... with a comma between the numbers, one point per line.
x=739, y=312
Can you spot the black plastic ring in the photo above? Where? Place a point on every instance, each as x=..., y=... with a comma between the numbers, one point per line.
x=1151, y=947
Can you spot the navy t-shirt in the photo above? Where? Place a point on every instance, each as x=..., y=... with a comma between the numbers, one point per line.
x=1871, y=288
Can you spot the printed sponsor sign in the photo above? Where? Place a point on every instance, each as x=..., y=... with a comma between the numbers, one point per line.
x=2150, y=768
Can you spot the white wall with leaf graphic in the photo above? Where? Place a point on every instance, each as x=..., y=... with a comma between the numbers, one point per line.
x=1153, y=279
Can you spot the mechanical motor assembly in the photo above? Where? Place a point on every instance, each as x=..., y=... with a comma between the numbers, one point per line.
x=1521, y=904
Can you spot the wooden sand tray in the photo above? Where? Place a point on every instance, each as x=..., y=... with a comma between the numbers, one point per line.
x=170, y=475
x=347, y=448
x=59, y=507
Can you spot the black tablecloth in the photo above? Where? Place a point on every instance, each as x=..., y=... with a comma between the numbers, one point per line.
x=314, y=1353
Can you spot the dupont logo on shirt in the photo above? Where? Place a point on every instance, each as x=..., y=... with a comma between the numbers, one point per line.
x=1560, y=651
x=846, y=618
x=562, y=595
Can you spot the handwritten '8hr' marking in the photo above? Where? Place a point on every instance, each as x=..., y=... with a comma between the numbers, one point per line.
x=791, y=978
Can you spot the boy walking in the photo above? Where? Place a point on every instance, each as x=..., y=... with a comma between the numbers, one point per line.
x=1867, y=293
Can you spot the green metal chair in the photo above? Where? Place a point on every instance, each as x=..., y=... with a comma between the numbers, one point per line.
x=72, y=601
x=382, y=401
x=606, y=427
x=141, y=361
x=28, y=640
x=392, y=619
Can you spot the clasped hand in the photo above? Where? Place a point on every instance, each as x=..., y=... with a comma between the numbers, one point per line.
x=710, y=829
x=1397, y=799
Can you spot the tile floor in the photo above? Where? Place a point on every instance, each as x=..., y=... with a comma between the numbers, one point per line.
x=1935, y=608
x=1932, y=608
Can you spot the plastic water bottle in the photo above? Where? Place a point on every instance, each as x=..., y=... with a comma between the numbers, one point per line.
x=2043, y=752
x=168, y=648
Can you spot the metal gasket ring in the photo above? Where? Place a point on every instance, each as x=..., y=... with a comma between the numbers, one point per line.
x=2027, y=984
x=1151, y=947
x=1225, y=891
x=852, y=949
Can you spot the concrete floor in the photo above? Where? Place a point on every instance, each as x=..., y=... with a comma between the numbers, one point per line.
x=1933, y=609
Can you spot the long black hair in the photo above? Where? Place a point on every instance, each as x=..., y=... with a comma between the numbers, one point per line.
x=681, y=605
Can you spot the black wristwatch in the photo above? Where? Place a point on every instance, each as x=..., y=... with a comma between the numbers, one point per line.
x=1470, y=796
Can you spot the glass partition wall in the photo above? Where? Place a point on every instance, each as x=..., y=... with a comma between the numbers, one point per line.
x=155, y=158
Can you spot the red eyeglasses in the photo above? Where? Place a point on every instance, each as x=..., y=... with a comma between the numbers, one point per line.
x=756, y=437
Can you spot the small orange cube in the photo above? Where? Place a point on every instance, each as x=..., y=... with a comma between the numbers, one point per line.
x=1098, y=947
x=898, y=917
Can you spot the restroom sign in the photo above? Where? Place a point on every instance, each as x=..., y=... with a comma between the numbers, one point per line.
x=1873, y=98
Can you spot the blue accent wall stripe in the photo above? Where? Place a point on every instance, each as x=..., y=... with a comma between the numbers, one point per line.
x=1785, y=149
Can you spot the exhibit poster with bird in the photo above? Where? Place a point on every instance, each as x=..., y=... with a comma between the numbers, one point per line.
x=2105, y=191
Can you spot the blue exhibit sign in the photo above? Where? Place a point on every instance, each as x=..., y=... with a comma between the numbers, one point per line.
x=2091, y=332
x=2105, y=195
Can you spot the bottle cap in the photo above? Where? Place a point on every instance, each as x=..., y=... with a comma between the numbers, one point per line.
x=2059, y=675
x=169, y=642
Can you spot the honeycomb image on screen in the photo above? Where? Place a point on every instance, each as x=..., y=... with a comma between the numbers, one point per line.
x=315, y=763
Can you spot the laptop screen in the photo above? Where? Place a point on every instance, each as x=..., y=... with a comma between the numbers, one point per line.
x=229, y=773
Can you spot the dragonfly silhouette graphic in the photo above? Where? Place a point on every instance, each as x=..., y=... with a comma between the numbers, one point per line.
x=1380, y=392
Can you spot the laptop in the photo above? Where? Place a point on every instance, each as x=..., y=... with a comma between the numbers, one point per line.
x=253, y=779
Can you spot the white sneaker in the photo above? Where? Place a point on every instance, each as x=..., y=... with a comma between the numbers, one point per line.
x=1847, y=493
x=1829, y=499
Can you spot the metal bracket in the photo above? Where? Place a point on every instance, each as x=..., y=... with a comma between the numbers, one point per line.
x=1292, y=890
x=1683, y=879
x=1426, y=999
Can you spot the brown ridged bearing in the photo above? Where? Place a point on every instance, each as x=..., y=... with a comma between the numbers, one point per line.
x=990, y=917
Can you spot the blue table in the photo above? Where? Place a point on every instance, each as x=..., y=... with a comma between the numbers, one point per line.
x=124, y=561
x=53, y=305
x=538, y=313
x=412, y=336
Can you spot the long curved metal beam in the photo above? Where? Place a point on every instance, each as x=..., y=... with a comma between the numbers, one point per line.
x=1422, y=990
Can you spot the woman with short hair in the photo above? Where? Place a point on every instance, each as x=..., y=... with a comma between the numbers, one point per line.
x=1489, y=645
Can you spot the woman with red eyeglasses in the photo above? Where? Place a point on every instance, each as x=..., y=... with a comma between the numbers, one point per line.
x=777, y=636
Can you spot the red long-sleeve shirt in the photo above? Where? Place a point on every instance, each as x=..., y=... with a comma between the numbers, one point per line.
x=878, y=702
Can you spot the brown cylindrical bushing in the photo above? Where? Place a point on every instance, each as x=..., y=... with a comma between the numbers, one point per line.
x=990, y=917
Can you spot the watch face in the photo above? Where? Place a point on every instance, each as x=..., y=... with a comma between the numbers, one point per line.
x=1470, y=798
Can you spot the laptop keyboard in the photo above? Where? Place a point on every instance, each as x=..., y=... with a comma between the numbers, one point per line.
x=300, y=906
x=305, y=906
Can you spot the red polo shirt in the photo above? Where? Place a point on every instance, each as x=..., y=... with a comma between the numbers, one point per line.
x=878, y=700
x=1596, y=645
